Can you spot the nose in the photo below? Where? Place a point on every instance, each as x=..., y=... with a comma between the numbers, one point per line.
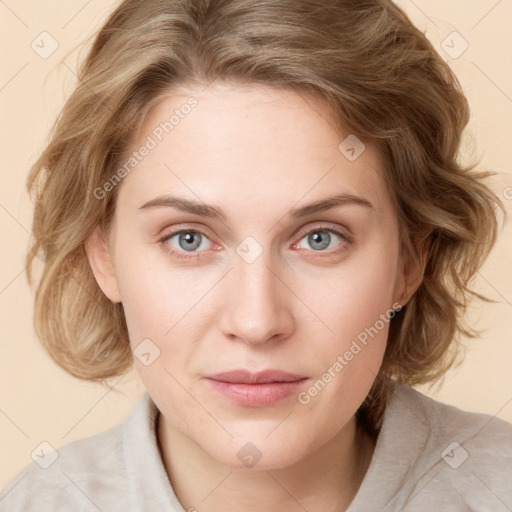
x=258, y=304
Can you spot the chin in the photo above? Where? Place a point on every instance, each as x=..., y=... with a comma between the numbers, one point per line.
x=258, y=454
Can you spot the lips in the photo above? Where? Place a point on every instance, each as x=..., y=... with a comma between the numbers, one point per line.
x=261, y=389
x=246, y=377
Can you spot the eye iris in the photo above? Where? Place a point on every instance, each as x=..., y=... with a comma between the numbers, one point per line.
x=193, y=240
x=315, y=239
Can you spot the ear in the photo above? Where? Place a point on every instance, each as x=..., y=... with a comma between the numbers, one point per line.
x=100, y=256
x=411, y=273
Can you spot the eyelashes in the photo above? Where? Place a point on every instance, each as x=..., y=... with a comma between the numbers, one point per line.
x=179, y=253
x=197, y=235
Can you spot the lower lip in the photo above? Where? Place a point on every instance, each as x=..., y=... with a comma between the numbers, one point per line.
x=257, y=395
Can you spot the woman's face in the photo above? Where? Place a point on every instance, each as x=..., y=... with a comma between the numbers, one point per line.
x=255, y=280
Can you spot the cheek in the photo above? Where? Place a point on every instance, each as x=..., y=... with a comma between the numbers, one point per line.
x=144, y=307
x=355, y=308
x=150, y=293
x=347, y=362
x=358, y=292
x=155, y=309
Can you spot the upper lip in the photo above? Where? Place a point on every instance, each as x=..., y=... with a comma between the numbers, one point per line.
x=247, y=377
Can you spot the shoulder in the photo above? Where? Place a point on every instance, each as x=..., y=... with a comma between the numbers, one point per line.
x=456, y=456
x=64, y=475
x=483, y=436
x=86, y=474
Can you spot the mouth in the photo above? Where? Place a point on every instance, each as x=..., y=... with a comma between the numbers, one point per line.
x=260, y=389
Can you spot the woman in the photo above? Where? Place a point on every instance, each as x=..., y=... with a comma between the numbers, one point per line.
x=259, y=204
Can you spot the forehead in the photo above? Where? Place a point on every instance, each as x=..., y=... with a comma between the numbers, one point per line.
x=249, y=145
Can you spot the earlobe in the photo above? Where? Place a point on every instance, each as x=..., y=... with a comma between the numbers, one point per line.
x=100, y=260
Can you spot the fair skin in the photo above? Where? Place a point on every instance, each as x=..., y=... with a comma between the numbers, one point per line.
x=256, y=153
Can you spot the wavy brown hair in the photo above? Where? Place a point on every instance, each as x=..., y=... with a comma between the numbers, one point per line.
x=378, y=74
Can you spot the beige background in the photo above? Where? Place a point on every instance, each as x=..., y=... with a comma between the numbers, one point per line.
x=39, y=401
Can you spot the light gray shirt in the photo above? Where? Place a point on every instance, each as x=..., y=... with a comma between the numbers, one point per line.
x=429, y=456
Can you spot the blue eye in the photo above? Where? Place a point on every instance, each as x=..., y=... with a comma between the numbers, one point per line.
x=191, y=241
x=321, y=238
x=188, y=240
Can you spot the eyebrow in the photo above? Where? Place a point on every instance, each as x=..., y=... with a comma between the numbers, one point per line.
x=214, y=212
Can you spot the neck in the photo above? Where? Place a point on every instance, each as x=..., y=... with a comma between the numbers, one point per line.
x=326, y=479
